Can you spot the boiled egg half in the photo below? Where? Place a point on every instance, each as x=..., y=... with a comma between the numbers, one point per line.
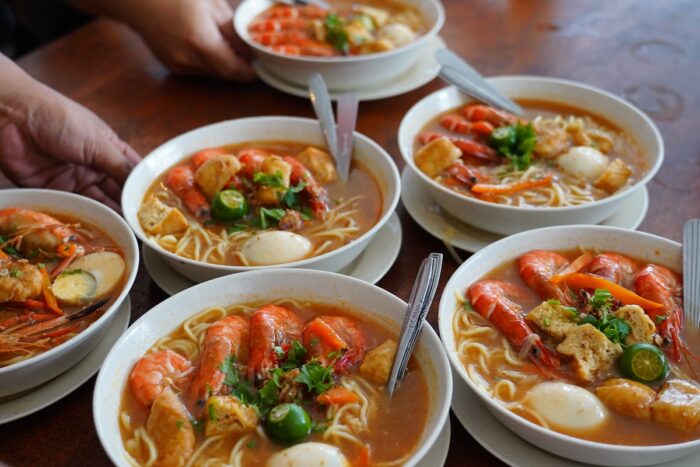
x=306, y=454
x=567, y=407
x=275, y=247
x=583, y=162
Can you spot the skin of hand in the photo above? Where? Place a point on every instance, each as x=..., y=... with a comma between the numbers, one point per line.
x=50, y=141
x=193, y=37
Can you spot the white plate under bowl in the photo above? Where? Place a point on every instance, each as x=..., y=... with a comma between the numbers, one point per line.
x=67, y=382
x=506, y=445
x=424, y=71
x=428, y=214
x=370, y=266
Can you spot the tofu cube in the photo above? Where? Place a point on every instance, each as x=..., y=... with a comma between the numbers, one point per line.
x=591, y=352
x=157, y=218
x=614, y=177
x=275, y=164
x=437, y=156
x=214, y=174
x=553, y=320
x=376, y=365
x=320, y=164
x=227, y=414
x=642, y=327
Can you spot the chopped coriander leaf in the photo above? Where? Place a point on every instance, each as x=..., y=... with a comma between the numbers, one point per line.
x=252, y=443
x=516, y=143
x=545, y=322
x=615, y=329
x=268, y=396
x=10, y=250
x=571, y=310
x=291, y=196
x=279, y=351
x=70, y=272
x=335, y=33
x=212, y=413
x=197, y=425
x=318, y=428
x=235, y=228
x=275, y=180
x=601, y=300
x=240, y=387
x=2, y=239
x=553, y=302
x=660, y=319
x=179, y=424
x=296, y=353
x=306, y=213
x=270, y=217
x=16, y=273
x=316, y=377
x=314, y=342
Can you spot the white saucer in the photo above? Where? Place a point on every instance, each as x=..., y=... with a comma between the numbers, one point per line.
x=370, y=266
x=436, y=456
x=506, y=445
x=69, y=381
x=421, y=73
x=430, y=216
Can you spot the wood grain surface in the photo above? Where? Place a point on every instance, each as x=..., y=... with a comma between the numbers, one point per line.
x=645, y=51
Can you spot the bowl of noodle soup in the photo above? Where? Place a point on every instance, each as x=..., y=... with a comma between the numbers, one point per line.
x=327, y=238
x=179, y=325
x=503, y=377
x=590, y=151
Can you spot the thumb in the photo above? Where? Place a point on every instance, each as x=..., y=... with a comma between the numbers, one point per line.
x=114, y=160
x=222, y=58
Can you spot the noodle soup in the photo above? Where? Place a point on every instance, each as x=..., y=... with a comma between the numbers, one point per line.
x=258, y=204
x=58, y=275
x=242, y=384
x=584, y=343
x=347, y=28
x=555, y=156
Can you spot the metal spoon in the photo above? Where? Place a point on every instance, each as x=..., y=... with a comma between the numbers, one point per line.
x=319, y=3
x=338, y=138
x=422, y=295
x=459, y=73
x=691, y=272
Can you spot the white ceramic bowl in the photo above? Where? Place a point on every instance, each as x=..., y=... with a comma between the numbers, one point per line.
x=317, y=286
x=374, y=158
x=341, y=73
x=636, y=244
x=32, y=372
x=508, y=220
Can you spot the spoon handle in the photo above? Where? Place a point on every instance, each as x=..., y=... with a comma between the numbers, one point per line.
x=691, y=271
x=460, y=74
x=347, y=117
x=321, y=101
x=422, y=295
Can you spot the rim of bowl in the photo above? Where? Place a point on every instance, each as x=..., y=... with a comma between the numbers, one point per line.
x=74, y=198
x=440, y=21
x=391, y=200
x=651, y=128
x=443, y=404
x=445, y=326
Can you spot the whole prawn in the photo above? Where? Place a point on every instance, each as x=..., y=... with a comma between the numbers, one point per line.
x=661, y=285
x=490, y=298
x=270, y=326
x=537, y=269
x=335, y=339
x=614, y=267
x=156, y=371
x=225, y=338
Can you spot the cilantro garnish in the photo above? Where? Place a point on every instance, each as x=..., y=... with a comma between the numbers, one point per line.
x=336, y=34
x=515, y=142
x=275, y=180
x=316, y=377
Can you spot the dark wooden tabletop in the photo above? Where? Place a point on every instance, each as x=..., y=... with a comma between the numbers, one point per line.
x=645, y=51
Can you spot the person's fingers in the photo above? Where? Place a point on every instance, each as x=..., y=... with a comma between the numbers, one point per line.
x=111, y=189
x=229, y=32
x=96, y=193
x=223, y=60
x=124, y=147
x=102, y=155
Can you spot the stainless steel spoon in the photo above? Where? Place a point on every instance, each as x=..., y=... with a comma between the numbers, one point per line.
x=691, y=272
x=422, y=295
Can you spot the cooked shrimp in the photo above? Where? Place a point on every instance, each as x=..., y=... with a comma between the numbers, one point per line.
x=317, y=194
x=156, y=371
x=335, y=339
x=252, y=160
x=28, y=230
x=614, y=267
x=661, y=285
x=19, y=281
x=225, y=338
x=454, y=122
x=270, y=326
x=538, y=267
x=484, y=113
x=181, y=180
x=490, y=298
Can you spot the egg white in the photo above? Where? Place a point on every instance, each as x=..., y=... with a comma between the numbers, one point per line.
x=308, y=454
x=275, y=247
x=567, y=407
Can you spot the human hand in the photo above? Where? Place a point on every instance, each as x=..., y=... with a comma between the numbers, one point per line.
x=190, y=36
x=50, y=141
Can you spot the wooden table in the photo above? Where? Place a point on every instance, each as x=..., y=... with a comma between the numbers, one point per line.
x=645, y=51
